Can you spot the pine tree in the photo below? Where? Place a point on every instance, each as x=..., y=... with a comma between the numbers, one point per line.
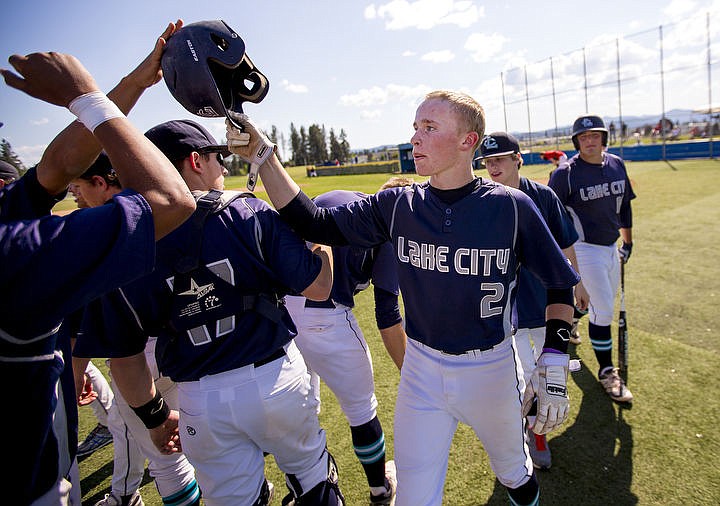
x=7, y=154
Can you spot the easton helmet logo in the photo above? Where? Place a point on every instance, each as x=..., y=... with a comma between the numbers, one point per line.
x=490, y=143
x=587, y=122
x=192, y=49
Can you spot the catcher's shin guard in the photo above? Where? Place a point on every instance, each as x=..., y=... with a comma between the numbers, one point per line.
x=325, y=493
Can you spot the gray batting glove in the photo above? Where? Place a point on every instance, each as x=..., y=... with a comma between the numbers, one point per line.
x=249, y=143
x=549, y=383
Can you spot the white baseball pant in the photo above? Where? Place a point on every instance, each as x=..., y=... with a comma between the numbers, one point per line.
x=482, y=389
x=334, y=348
x=227, y=420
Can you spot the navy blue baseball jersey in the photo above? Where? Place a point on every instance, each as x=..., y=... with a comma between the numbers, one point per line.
x=52, y=266
x=457, y=262
x=597, y=196
x=246, y=250
x=532, y=296
x=354, y=268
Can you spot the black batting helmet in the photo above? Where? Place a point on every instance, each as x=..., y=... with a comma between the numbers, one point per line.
x=587, y=123
x=207, y=70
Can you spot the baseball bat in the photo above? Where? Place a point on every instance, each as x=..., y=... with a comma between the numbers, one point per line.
x=622, y=329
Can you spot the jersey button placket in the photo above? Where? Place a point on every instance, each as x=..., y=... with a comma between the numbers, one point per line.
x=447, y=221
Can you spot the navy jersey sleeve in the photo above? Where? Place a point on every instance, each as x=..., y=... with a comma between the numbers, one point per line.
x=285, y=253
x=110, y=327
x=384, y=274
x=556, y=217
x=625, y=214
x=559, y=182
x=537, y=249
x=26, y=199
x=62, y=263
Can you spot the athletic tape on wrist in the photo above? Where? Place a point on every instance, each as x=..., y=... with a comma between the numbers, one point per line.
x=153, y=413
x=93, y=109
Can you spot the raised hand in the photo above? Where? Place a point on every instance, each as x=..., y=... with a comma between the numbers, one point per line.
x=55, y=78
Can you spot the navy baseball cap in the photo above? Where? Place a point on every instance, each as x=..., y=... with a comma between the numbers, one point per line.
x=100, y=167
x=498, y=144
x=178, y=138
x=8, y=172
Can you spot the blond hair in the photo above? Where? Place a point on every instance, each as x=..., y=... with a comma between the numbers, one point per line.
x=396, y=181
x=468, y=110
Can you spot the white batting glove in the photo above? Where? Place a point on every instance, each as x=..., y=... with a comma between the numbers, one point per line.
x=250, y=144
x=549, y=383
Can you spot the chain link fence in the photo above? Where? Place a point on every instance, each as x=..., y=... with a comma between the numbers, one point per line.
x=666, y=72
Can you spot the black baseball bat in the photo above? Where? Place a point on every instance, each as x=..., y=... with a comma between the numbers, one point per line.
x=622, y=329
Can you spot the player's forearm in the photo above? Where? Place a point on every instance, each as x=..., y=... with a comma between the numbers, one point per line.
x=75, y=148
x=134, y=379
x=562, y=312
x=321, y=287
x=278, y=184
x=395, y=341
x=626, y=235
x=142, y=167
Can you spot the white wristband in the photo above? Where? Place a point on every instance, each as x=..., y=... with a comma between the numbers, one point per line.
x=93, y=109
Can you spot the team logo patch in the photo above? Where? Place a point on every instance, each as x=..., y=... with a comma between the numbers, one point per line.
x=197, y=290
x=587, y=122
x=490, y=143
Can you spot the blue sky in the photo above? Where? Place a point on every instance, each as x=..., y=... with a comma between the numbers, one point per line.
x=363, y=66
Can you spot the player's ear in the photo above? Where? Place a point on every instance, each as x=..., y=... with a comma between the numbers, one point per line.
x=471, y=139
x=98, y=181
x=194, y=160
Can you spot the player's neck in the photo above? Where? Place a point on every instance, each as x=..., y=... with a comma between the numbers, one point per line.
x=451, y=179
x=593, y=158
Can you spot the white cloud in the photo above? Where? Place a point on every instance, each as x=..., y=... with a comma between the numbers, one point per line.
x=678, y=8
x=425, y=14
x=294, y=88
x=30, y=155
x=371, y=115
x=443, y=56
x=484, y=47
x=375, y=96
x=408, y=53
x=41, y=121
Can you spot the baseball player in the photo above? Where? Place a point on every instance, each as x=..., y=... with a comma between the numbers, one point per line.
x=556, y=157
x=595, y=189
x=98, y=249
x=174, y=476
x=224, y=337
x=335, y=350
x=500, y=153
x=458, y=243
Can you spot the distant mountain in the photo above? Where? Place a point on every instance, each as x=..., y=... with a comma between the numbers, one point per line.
x=681, y=116
x=675, y=115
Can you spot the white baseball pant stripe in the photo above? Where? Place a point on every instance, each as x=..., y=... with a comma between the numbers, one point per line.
x=529, y=344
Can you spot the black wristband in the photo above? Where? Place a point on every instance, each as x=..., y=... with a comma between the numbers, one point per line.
x=153, y=413
x=557, y=335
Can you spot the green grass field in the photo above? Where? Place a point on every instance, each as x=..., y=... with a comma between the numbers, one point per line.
x=662, y=451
